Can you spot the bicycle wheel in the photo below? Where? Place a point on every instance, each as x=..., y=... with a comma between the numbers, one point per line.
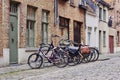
x=72, y=61
x=35, y=61
x=60, y=59
x=96, y=53
x=86, y=58
x=90, y=57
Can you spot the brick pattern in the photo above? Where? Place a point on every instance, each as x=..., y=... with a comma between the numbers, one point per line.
x=115, y=13
x=1, y=53
x=74, y=13
x=65, y=10
x=5, y=23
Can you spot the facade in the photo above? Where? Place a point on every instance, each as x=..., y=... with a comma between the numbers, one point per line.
x=1, y=32
x=114, y=13
x=0, y=27
x=27, y=23
x=103, y=27
x=73, y=13
x=92, y=26
x=107, y=35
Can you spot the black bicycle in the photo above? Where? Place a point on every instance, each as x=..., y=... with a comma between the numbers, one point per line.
x=71, y=51
x=77, y=54
x=56, y=56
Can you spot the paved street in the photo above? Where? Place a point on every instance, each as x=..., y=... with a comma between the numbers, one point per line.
x=106, y=68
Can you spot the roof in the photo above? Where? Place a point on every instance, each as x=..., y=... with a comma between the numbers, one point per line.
x=91, y=4
x=89, y=8
x=103, y=2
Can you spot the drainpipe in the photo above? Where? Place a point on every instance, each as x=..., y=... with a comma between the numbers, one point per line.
x=2, y=25
x=55, y=12
x=85, y=25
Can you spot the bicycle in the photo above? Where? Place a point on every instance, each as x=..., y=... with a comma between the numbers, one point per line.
x=56, y=57
x=94, y=54
x=91, y=53
x=71, y=51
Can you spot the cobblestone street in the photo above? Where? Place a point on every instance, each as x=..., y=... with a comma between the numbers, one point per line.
x=106, y=68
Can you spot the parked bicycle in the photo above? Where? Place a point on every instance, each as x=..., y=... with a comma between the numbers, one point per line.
x=79, y=53
x=55, y=57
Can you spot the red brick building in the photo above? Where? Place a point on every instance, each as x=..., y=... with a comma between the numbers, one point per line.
x=1, y=29
x=27, y=23
x=74, y=13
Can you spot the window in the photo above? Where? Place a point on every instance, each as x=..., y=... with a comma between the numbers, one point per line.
x=100, y=13
x=82, y=2
x=104, y=38
x=64, y=26
x=13, y=7
x=72, y=2
x=44, y=31
x=30, y=26
x=89, y=35
x=118, y=36
x=63, y=22
x=104, y=15
x=117, y=17
x=110, y=22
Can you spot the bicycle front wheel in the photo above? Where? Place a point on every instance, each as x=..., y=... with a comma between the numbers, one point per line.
x=35, y=61
x=95, y=54
x=60, y=59
x=72, y=61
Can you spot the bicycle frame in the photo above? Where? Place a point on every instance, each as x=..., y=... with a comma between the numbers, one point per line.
x=50, y=48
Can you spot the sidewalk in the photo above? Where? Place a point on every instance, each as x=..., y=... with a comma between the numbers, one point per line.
x=23, y=67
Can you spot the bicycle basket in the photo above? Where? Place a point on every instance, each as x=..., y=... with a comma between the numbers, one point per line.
x=85, y=50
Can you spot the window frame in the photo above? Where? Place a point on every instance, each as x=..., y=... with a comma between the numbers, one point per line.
x=100, y=13
x=104, y=38
x=104, y=15
x=63, y=22
x=31, y=20
x=45, y=21
x=72, y=3
x=118, y=37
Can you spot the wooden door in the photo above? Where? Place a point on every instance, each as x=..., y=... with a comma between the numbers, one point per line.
x=77, y=32
x=13, y=34
x=111, y=44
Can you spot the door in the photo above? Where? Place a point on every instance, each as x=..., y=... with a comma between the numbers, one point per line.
x=100, y=41
x=13, y=34
x=111, y=44
x=13, y=40
x=77, y=32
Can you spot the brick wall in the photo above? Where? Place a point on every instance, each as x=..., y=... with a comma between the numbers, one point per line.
x=65, y=10
x=22, y=17
x=115, y=13
x=5, y=23
x=1, y=53
x=74, y=13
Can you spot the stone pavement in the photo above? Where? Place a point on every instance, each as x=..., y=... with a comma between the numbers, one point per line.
x=23, y=67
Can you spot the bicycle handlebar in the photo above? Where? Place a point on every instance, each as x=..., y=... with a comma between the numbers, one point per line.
x=54, y=35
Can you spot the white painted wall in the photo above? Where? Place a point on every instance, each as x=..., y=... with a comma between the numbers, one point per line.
x=92, y=22
x=22, y=56
x=103, y=26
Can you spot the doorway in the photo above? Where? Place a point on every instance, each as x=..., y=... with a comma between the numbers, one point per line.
x=77, y=31
x=13, y=33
